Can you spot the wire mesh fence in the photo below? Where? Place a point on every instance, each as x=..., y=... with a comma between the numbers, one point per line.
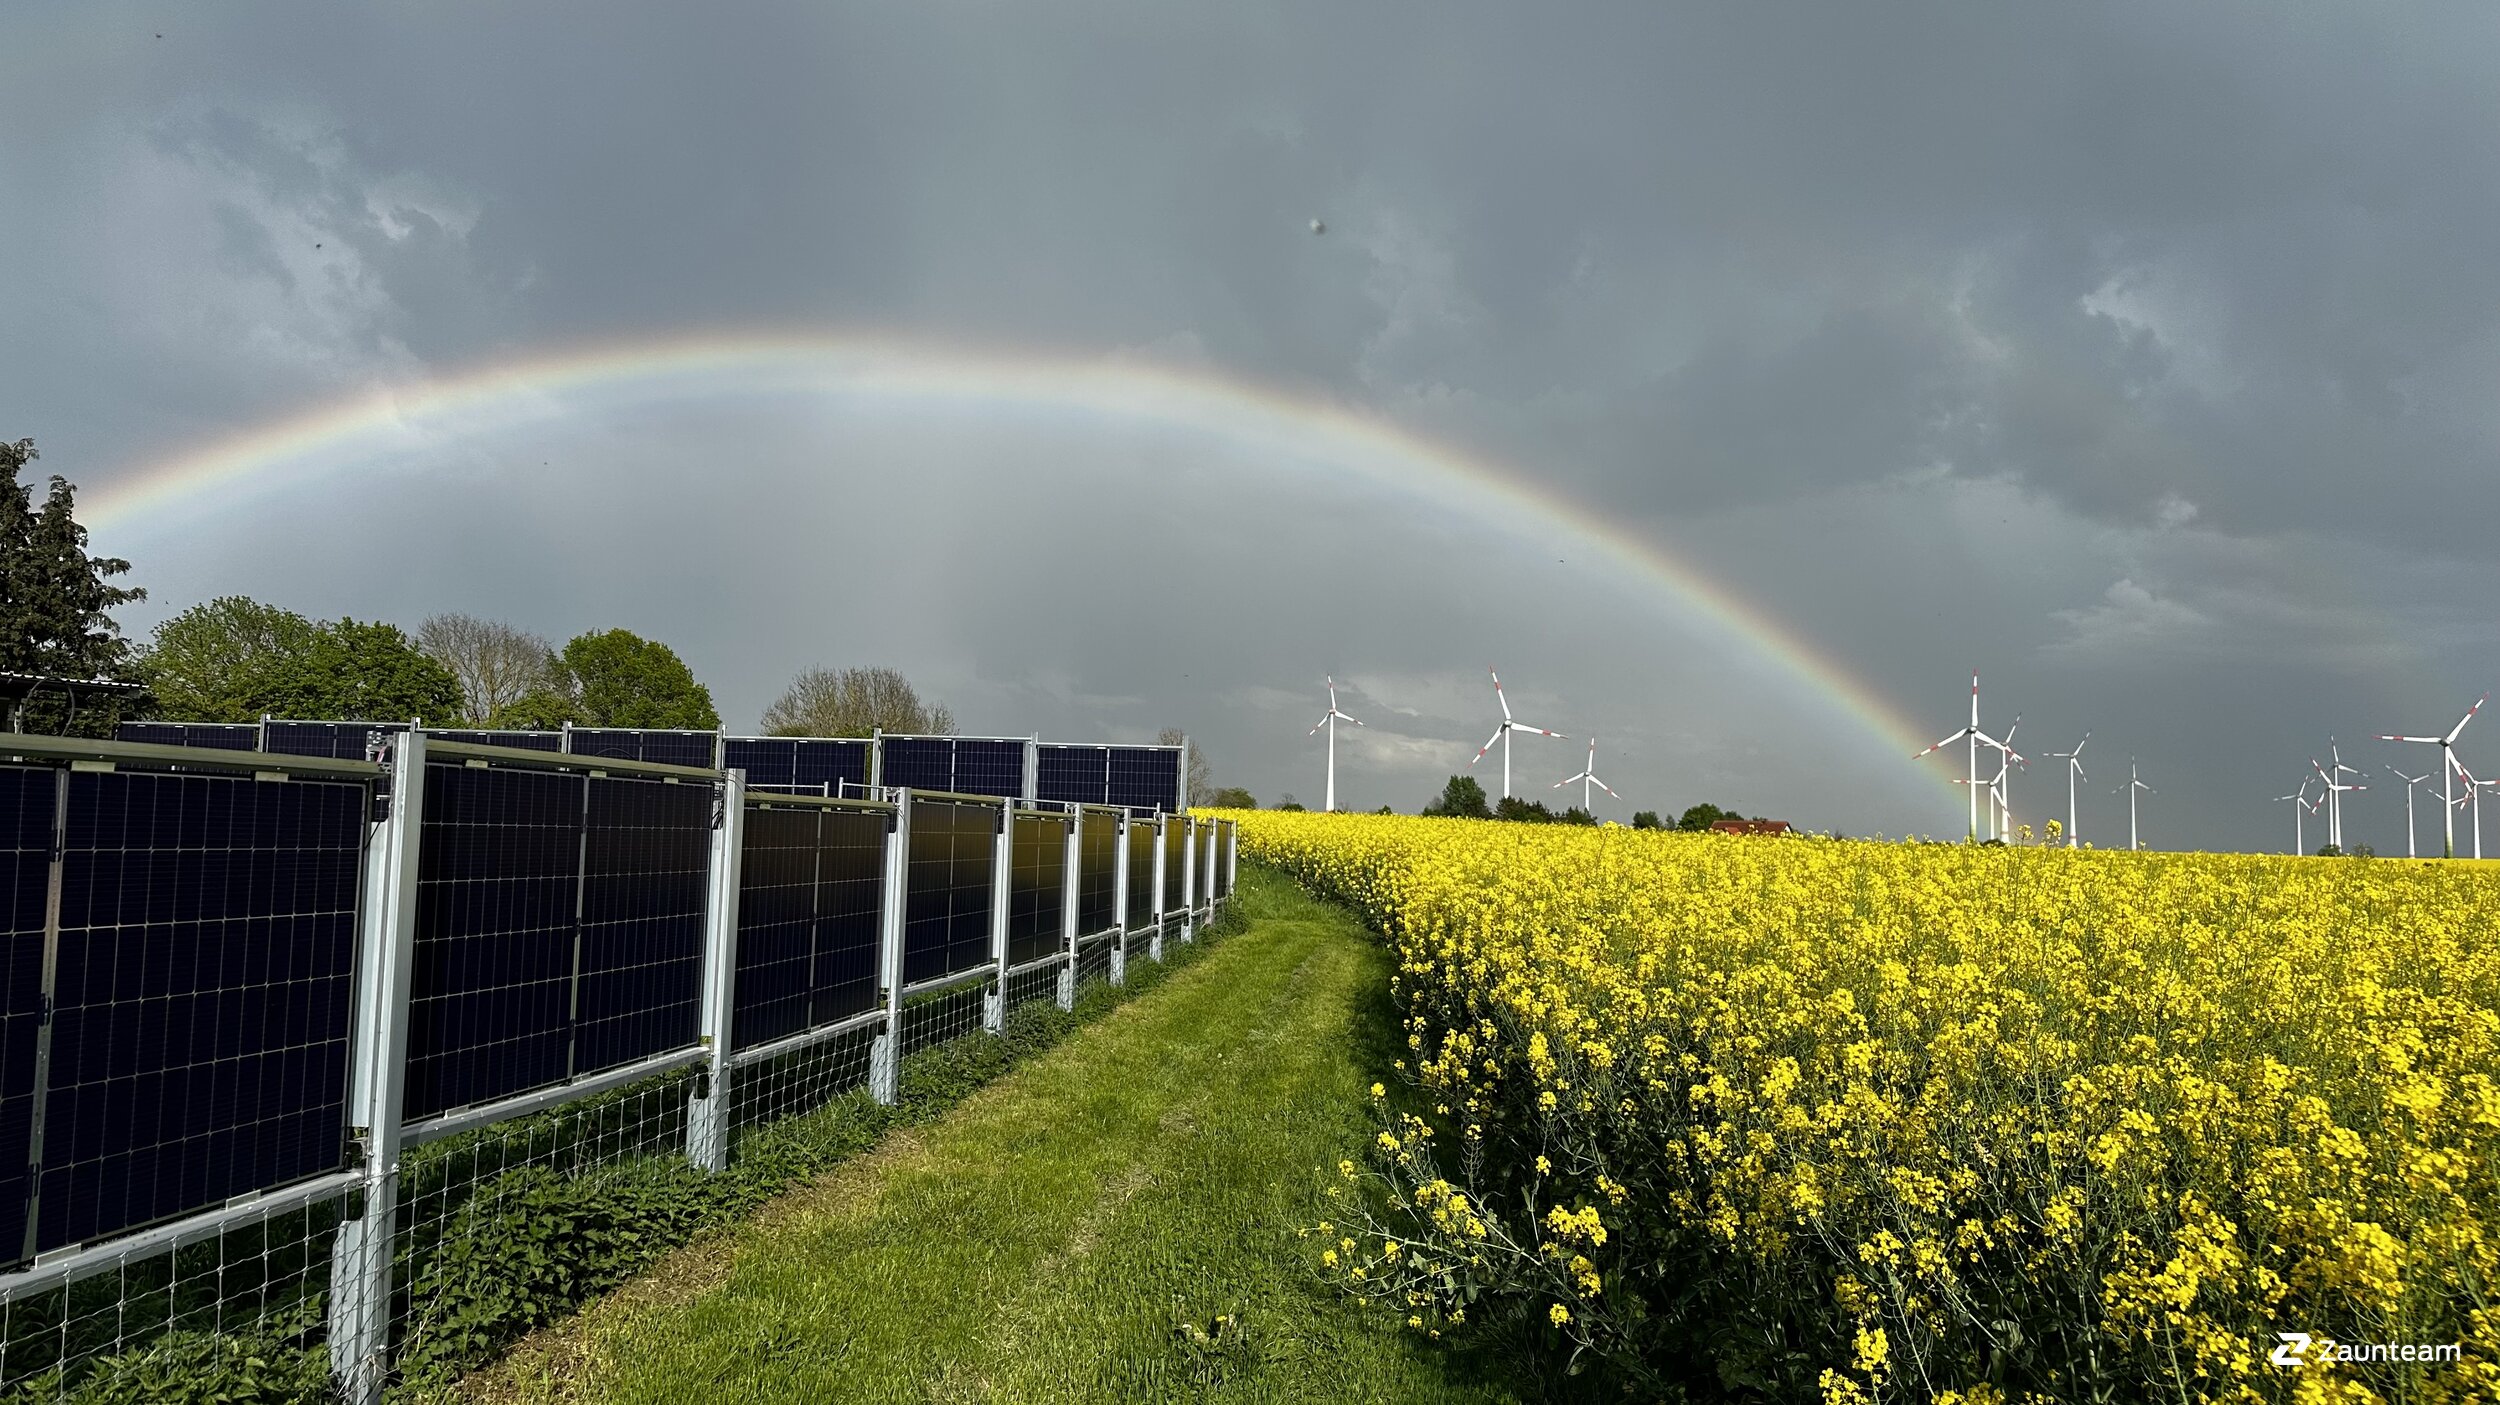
x=345, y=1050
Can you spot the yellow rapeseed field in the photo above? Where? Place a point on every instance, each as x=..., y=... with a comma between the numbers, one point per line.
x=1864, y=1121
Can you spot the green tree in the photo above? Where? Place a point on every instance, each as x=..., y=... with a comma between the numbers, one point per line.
x=617, y=678
x=363, y=671
x=1701, y=817
x=1575, y=815
x=222, y=661
x=1645, y=819
x=1462, y=798
x=1523, y=811
x=1233, y=797
x=854, y=702
x=1287, y=802
x=56, y=601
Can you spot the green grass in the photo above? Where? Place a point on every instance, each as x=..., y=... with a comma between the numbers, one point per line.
x=1070, y=1233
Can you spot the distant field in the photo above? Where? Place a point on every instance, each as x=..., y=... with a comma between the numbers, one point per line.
x=1072, y=1233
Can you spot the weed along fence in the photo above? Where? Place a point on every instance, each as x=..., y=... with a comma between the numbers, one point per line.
x=306, y=1038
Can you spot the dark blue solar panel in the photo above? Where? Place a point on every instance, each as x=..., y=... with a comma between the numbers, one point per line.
x=816, y=765
x=776, y=923
x=850, y=912
x=946, y=906
x=634, y=744
x=985, y=767
x=202, y=995
x=27, y=797
x=225, y=736
x=1098, y=854
x=1077, y=774
x=1037, y=896
x=498, y=903
x=645, y=867
x=1141, y=872
x=1145, y=777
x=488, y=736
x=344, y=741
x=923, y=763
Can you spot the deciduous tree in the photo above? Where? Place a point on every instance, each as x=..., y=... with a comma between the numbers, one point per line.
x=620, y=679
x=855, y=702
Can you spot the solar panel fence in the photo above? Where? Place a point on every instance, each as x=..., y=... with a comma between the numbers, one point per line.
x=831, y=766
x=514, y=738
x=300, y=1040
x=223, y=736
x=665, y=746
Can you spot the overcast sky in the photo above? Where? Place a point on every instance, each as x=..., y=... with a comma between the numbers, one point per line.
x=2139, y=356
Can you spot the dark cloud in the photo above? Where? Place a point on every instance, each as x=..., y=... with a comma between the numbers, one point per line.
x=2139, y=353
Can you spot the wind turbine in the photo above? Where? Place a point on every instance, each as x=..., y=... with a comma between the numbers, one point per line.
x=2129, y=789
x=1975, y=737
x=1587, y=778
x=1502, y=734
x=1330, y=719
x=2001, y=820
x=2074, y=773
x=2300, y=805
x=2335, y=802
x=2448, y=756
x=2473, y=796
x=2410, y=783
x=2334, y=799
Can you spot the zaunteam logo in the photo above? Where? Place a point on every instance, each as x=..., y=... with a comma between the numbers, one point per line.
x=2296, y=1349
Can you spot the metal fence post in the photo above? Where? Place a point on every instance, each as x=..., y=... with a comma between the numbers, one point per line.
x=1232, y=857
x=707, y=1111
x=1163, y=862
x=1069, y=898
x=885, y=1056
x=1189, y=879
x=1002, y=897
x=1119, y=898
x=360, y=1264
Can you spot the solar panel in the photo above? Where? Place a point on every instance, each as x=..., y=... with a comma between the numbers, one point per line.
x=225, y=736
x=489, y=736
x=674, y=748
x=499, y=886
x=27, y=798
x=923, y=763
x=1145, y=777
x=776, y=922
x=1037, y=898
x=1141, y=872
x=850, y=913
x=202, y=992
x=1097, y=857
x=646, y=860
x=1076, y=774
x=946, y=899
x=343, y=741
x=816, y=765
x=1175, y=861
x=987, y=767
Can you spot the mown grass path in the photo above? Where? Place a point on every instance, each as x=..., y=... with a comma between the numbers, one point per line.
x=1048, y=1240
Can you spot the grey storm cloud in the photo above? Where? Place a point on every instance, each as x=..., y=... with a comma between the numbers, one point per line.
x=2137, y=354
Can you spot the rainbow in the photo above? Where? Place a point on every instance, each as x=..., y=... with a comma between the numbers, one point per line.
x=889, y=369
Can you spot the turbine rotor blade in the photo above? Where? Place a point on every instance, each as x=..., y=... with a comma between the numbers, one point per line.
x=1488, y=746
x=2468, y=717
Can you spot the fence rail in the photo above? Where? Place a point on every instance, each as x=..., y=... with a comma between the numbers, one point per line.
x=278, y=1030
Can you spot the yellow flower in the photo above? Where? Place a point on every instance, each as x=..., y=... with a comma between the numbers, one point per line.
x=1558, y=1314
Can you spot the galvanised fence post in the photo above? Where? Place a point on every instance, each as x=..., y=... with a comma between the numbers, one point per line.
x=1002, y=898
x=360, y=1271
x=1119, y=901
x=707, y=1110
x=885, y=1055
x=1068, y=906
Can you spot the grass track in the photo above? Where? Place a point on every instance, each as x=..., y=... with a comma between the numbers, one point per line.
x=1047, y=1240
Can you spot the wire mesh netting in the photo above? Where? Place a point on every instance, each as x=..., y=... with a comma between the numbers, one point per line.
x=800, y=1080
x=1175, y=906
x=934, y=1017
x=1093, y=959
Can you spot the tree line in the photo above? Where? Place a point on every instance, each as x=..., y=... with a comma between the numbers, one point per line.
x=236, y=659
x=1464, y=798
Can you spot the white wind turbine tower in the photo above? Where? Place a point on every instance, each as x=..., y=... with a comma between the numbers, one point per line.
x=2410, y=783
x=2473, y=796
x=2129, y=790
x=2448, y=758
x=2074, y=773
x=1330, y=719
x=2335, y=803
x=1587, y=778
x=1502, y=734
x=2334, y=800
x=1976, y=739
x=2300, y=802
